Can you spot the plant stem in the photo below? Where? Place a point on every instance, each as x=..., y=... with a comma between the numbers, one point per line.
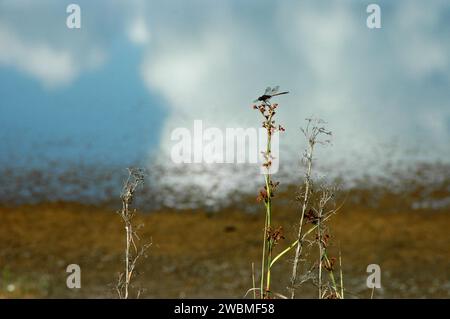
x=268, y=226
x=330, y=273
x=298, y=250
x=341, y=276
x=253, y=280
x=319, y=234
x=263, y=259
x=127, y=260
x=266, y=260
x=286, y=250
x=135, y=178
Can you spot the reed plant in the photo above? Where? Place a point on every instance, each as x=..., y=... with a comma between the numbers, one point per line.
x=271, y=235
x=134, y=249
x=316, y=208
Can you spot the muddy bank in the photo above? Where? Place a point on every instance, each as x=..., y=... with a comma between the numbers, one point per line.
x=199, y=254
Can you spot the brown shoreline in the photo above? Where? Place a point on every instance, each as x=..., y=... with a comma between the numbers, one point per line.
x=198, y=254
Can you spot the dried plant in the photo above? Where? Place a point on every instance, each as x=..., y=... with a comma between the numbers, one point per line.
x=313, y=132
x=322, y=239
x=133, y=250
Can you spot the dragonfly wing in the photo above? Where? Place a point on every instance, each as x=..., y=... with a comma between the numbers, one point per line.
x=268, y=90
x=275, y=90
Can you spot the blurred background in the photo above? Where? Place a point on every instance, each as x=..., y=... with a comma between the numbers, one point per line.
x=79, y=106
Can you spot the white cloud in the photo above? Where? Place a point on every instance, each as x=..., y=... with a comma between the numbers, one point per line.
x=35, y=40
x=51, y=66
x=139, y=32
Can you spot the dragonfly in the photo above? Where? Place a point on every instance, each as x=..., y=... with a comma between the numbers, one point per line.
x=269, y=93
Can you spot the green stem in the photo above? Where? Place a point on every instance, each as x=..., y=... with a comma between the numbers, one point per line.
x=341, y=276
x=269, y=223
x=263, y=260
x=296, y=242
x=330, y=273
x=268, y=215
